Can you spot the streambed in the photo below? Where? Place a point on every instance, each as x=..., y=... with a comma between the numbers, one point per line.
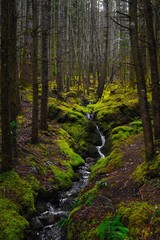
x=45, y=226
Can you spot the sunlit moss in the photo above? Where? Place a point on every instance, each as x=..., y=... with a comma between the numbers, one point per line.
x=75, y=159
x=64, y=176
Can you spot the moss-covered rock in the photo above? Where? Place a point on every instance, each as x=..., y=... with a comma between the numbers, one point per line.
x=12, y=223
x=141, y=219
x=111, y=162
x=17, y=189
x=75, y=159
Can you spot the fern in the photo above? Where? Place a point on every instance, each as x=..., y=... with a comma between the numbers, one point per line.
x=113, y=229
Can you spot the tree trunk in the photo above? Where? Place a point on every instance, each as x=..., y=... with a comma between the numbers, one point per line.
x=154, y=68
x=104, y=62
x=34, y=137
x=143, y=104
x=45, y=44
x=7, y=61
x=13, y=96
x=26, y=76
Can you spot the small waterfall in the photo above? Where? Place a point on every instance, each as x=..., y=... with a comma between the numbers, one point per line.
x=103, y=143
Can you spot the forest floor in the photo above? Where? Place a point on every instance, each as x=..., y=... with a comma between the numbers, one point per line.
x=121, y=189
x=116, y=188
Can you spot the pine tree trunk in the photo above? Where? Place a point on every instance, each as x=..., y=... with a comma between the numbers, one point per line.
x=34, y=136
x=154, y=68
x=143, y=104
x=45, y=58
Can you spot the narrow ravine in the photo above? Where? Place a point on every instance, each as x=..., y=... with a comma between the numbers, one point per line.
x=46, y=224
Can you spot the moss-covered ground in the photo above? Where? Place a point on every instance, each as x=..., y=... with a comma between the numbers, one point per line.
x=124, y=190
x=123, y=193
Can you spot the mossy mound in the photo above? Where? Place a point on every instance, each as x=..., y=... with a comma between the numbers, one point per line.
x=147, y=171
x=12, y=223
x=117, y=109
x=122, y=132
x=142, y=219
x=107, y=164
x=19, y=190
x=75, y=159
x=17, y=197
x=64, y=173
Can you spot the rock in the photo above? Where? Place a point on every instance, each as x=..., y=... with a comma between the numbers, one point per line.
x=36, y=223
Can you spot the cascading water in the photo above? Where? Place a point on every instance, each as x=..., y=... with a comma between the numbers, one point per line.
x=103, y=143
x=46, y=225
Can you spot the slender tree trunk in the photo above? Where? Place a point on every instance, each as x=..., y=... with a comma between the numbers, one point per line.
x=26, y=76
x=34, y=137
x=45, y=58
x=8, y=57
x=104, y=62
x=13, y=77
x=143, y=104
x=154, y=68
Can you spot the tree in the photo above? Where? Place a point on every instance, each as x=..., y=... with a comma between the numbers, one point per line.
x=45, y=59
x=152, y=49
x=102, y=80
x=26, y=68
x=8, y=78
x=141, y=86
x=34, y=137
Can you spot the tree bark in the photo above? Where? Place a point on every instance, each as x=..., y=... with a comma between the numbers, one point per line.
x=45, y=59
x=154, y=69
x=8, y=57
x=143, y=104
x=34, y=136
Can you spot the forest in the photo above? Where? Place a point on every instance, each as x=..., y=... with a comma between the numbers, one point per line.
x=79, y=119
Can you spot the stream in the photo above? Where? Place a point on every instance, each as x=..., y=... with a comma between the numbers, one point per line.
x=46, y=224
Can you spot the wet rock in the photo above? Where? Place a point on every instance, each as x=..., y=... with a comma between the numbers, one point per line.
x=36, y=223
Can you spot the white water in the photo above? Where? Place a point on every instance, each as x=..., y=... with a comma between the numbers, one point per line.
x=103, y=143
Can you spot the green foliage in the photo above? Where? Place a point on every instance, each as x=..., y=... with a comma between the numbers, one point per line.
x=112, y=228
x=12, y=225
x=89, y=199
x=17, y=189
x=63, y=222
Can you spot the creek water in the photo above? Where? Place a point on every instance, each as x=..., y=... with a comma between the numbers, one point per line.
x=46, y=224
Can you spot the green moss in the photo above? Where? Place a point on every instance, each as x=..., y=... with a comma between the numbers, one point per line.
x=64, y=176
x=104, y=165
x=17, y=189
x=65, y=136
x=112, y=110
x=139, y=174
x=20, y=119
x=79, y=134
x=146, y=169
x=12, y=225
x=138, y=216
x=75, y=160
